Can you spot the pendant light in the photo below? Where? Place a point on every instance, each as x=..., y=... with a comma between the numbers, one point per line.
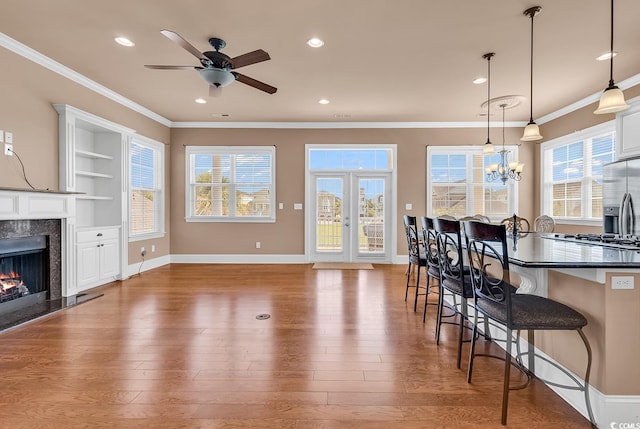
x=531, y=131
x=612, y=99
x=488, y=147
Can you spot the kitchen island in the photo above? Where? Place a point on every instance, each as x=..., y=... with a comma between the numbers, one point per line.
x=603, y=283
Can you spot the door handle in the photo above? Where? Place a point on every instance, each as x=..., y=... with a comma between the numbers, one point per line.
x=631, y=216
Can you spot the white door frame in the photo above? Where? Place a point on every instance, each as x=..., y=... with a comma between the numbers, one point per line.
x=391, y=200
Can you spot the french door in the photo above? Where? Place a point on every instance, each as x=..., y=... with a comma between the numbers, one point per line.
x=349, y=218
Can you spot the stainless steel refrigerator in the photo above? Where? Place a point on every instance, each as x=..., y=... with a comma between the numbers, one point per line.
x=621, y=197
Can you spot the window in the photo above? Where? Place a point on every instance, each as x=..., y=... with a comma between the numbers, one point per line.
x=457, y=183
x=230, y=184
x=572, y=173
x=146, y=190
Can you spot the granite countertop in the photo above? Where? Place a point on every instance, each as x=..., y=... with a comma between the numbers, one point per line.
x=543, y=250
x=44, y=191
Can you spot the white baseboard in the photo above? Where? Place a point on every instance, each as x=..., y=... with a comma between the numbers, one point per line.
x=623, y=410
x=147, y=265
x=238, y=259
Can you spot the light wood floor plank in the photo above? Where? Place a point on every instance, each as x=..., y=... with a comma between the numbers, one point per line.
x=180, y=347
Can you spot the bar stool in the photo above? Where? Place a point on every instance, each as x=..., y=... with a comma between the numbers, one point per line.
x=416, y=258
x=494, y=297
x=429, y=240
x=454, y=277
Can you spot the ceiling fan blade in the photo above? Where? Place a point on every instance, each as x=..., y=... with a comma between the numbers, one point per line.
x=215, y=91
x=255, y=83
x=249, y=58
x=175, y=37
x=156, y=67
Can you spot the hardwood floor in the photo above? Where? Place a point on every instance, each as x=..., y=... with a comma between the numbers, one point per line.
x=180, y=347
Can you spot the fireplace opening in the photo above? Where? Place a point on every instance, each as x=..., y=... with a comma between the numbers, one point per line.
x=24, y=272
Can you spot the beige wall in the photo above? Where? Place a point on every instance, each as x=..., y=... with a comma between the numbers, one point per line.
x=286, y=235
x=28, y=92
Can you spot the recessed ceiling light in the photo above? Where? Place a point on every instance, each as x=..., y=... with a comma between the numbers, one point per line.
x=479, y=80
x=124, y=42
x=315, y=42
x=606, y=56
x=200, y=100
x=323, y=101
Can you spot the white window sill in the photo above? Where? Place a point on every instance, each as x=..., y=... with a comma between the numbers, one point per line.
x=583, y=222
x=230, y=219
x=149, y=236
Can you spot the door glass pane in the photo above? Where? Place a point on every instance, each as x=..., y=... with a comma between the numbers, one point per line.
x=329, y=194
x=371, y=215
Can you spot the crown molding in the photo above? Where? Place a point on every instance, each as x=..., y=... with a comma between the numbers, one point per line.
x=625, y=84
x=46, y=62
x=345, y=125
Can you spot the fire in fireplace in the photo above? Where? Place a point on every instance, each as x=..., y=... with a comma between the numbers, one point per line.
x=12, y=286
x=24, y=263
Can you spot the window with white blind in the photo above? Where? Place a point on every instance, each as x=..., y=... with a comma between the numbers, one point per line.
x=230, y=184
x=457, y=184
x=146, y=189
x=571, y=168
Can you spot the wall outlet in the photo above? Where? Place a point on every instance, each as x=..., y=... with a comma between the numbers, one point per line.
x=153, y=248
x=8, y=149
x=142, y=251
x=257, y=244
x=1, y=136
x=297, y=206
x=622, y=282
x=280, y=206
x=408, y=206
x=8, y=137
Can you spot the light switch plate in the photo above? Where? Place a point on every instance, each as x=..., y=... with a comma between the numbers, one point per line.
x=1, y=136
x=408, y=206
x=297, y=206
x=8, y=137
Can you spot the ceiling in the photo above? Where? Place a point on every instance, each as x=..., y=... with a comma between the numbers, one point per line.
x=383, y=61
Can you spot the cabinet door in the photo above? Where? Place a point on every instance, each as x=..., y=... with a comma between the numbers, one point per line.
x=109, y=259
x=88, y=262
x=628, y=132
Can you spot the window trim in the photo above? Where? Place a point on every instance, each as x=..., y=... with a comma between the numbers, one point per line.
x=465, y=150
x=232, y=150
x=587, y=133
x=159, y=149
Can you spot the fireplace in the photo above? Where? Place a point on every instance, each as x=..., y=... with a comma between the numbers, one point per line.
x=30, y=268
x=24, y=263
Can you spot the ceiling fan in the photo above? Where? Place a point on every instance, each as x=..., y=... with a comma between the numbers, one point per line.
x=217, y=67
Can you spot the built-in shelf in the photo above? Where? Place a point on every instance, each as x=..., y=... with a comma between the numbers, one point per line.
x=93, y=174
x=93, y=155
x=93, y=197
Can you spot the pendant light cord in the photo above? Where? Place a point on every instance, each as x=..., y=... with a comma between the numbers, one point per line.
x=488, y=95
x=488, y=58
x=531, y=75
x=503, y=107
x=611, y=84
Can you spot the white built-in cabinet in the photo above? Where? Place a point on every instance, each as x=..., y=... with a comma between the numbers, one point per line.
x=628, y=131
x=93, y=163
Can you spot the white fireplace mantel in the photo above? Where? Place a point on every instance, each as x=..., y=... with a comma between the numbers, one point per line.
x=27, y=204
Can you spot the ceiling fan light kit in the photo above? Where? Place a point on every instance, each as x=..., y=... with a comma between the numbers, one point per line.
x=612, y=99
x=216, y=67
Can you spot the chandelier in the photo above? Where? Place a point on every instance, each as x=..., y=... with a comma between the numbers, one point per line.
x=504, y=170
